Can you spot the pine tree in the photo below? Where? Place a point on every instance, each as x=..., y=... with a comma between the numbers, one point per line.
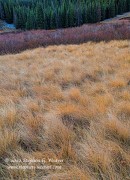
x=8, y=8
x=2, y=12
x=40, y=16
x=112, y=8
x=31, y=23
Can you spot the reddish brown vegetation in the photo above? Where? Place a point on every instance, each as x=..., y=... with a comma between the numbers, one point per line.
x=19, y=41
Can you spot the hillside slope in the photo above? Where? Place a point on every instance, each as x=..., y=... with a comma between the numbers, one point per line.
x=69, y=103
x=18, y=41
x=125, y=16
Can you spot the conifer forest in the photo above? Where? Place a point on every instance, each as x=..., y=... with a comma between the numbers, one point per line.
x=53, y=14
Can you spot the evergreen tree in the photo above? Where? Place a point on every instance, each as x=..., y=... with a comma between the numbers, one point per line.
x=112, y=8
x=40, y=16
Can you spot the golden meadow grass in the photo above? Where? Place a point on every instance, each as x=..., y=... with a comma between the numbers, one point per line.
x=67, y=102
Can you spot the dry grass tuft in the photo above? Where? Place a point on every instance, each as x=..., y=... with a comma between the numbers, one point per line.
x=8, y=142
x=117, y=130
x=124, y=110
x=75, y=94
x=118, y=83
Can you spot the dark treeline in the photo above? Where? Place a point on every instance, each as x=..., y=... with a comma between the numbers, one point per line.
x=52, y=14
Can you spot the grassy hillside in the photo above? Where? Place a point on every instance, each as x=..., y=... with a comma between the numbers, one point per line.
x=70, y=103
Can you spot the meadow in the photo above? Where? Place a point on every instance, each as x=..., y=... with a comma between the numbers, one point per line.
x=68, y=102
